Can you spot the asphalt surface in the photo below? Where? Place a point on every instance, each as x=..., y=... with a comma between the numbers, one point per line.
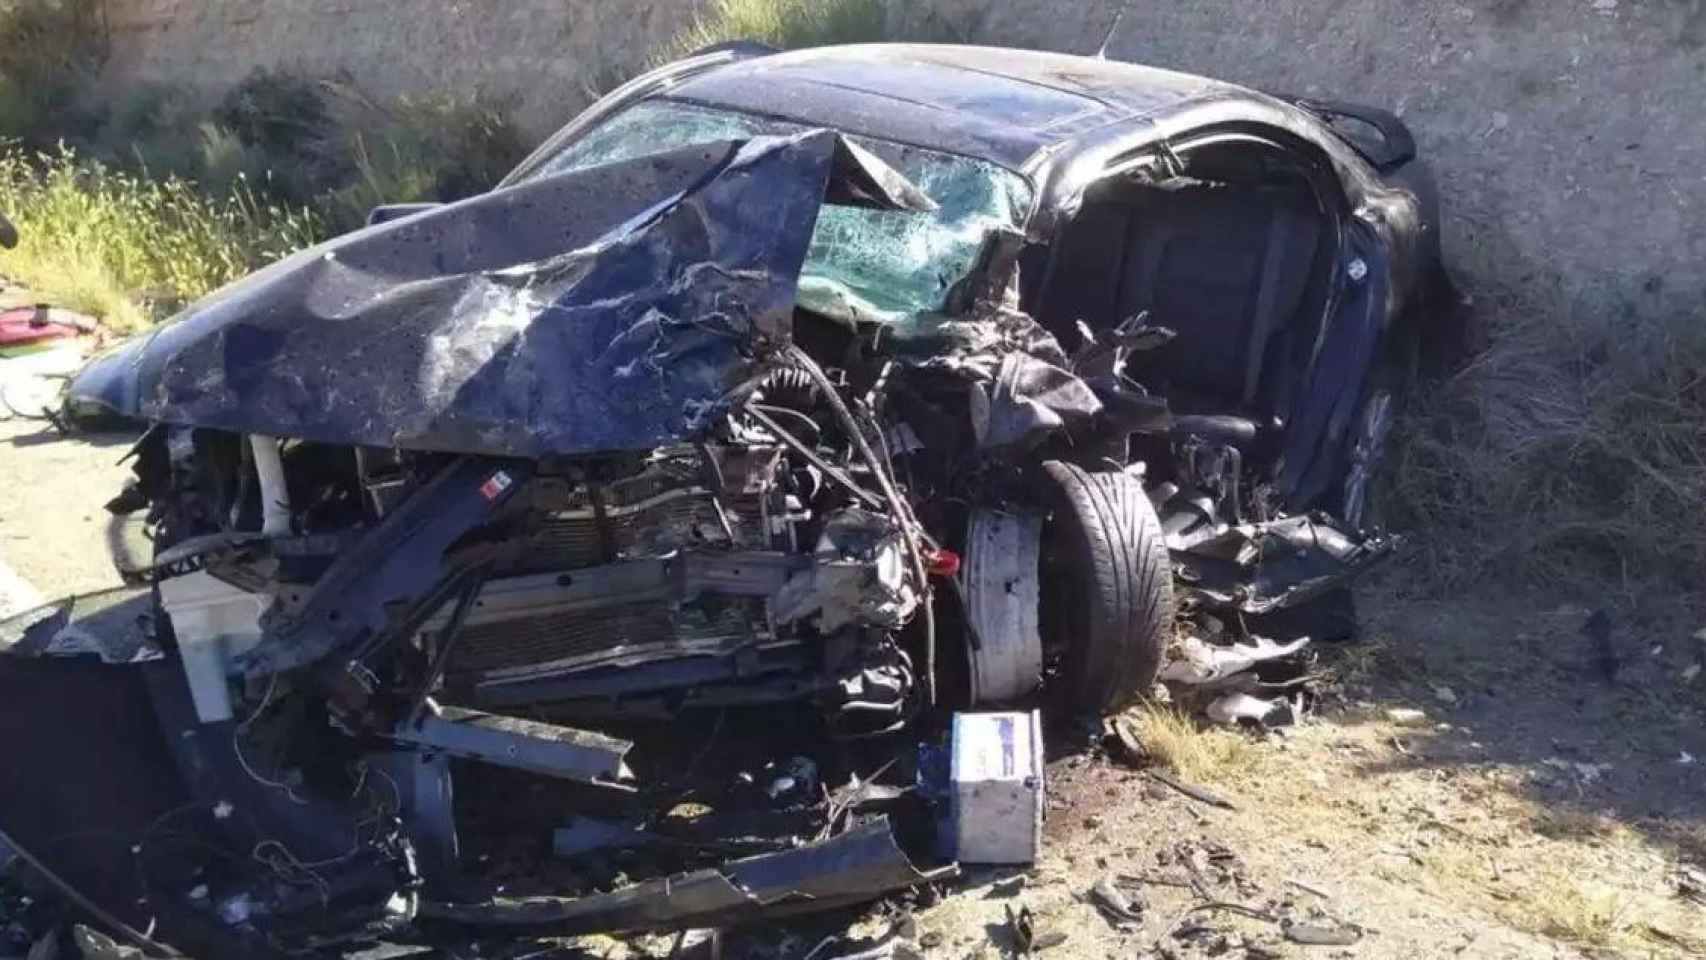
x=54, y=530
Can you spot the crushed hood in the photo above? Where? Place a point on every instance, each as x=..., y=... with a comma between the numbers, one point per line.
x=604, y=309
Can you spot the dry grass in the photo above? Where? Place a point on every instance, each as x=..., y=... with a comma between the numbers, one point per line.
x=115, y=245
x=1550, y=889
x=1572, y=450
x=1574, y=876
x=1584, y=826
x=1176, y=740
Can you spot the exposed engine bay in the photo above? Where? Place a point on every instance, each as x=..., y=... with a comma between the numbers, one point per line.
x=429, y=653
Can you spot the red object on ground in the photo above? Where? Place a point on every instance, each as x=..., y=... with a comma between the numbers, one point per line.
x=26, y=325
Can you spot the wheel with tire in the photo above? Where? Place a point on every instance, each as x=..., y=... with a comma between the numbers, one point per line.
x=1107, y=589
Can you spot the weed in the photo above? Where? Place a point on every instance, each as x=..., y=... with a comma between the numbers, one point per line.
x=1566, y=823
x=1563, y=905
x=783, y=23
x=121, y=246
x=423, y=148
x=1175, y=740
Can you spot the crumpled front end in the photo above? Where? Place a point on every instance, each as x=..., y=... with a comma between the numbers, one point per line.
x=607, y=309
x=450, y=513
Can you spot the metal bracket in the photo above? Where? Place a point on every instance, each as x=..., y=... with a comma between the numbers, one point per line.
x=530, y=745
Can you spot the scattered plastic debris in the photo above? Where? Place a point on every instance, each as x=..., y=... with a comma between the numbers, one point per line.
x=1197, y=662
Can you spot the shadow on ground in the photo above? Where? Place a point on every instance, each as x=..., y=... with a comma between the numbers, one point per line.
x=1612, y=728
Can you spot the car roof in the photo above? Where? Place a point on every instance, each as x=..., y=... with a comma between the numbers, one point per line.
x=997, y=104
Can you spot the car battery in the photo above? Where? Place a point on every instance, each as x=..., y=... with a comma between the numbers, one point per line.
x=995, y=788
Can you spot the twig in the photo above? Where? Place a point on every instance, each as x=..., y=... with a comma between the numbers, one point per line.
x=1230, y=907
x=1151, y=878
x=1195, y=793
x=1299, y=884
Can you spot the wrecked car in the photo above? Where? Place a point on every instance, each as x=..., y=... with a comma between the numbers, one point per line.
x=583, y=555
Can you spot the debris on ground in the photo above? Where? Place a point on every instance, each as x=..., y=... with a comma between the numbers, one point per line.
x=1026, y=938
x=1194, y=792
x=1122, y=908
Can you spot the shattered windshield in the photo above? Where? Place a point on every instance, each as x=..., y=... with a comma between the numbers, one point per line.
x=862, y=264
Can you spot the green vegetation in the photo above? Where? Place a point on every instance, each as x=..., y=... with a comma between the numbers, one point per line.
x=118, y=245
x=421, y=148
x=131, y=208
x=783, y=23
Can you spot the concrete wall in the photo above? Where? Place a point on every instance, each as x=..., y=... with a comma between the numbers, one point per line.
x=1569, y=135
x=546, y=54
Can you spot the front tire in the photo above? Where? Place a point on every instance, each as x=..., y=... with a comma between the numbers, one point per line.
x=1107, y=600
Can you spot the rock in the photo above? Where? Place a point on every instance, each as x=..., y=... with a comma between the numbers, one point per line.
x=1408, y=716
x=1322, y=935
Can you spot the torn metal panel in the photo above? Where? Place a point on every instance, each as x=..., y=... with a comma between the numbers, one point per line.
x=113, y=626
x=1321, y=420
x=1367, y=455
x=1257, y=568
x=1201, y=664
x=860, y=864
x=530, y=745
x=606, y=309
x=1028, y=401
